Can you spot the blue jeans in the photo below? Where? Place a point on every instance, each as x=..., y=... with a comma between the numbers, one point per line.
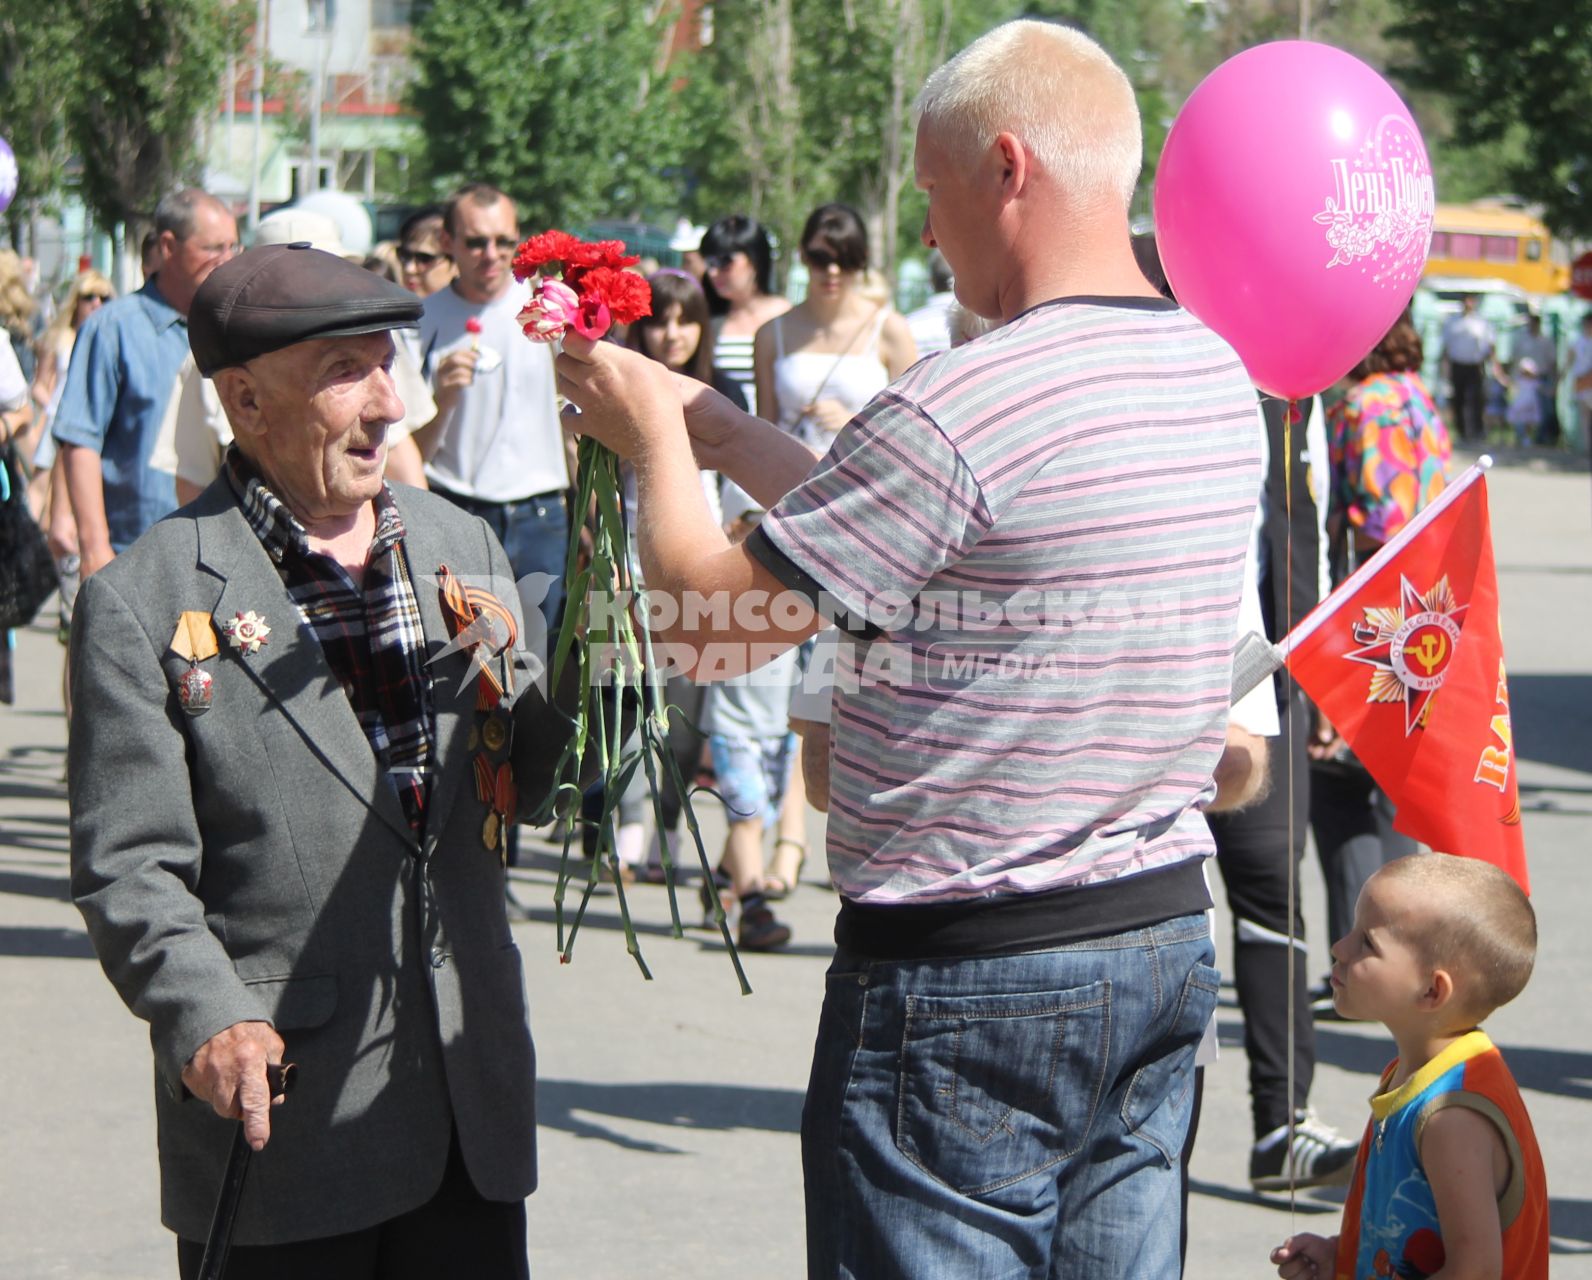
x=1005, y=1117
x=535, y=535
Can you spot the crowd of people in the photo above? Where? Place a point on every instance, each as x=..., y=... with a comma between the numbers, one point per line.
x=269, y=477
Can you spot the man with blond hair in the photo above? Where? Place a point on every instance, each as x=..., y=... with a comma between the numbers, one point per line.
x=1034, y=544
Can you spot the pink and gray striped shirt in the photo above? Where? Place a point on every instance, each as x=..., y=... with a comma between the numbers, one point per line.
x=1046, y=530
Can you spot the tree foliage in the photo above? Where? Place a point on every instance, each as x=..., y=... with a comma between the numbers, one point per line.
x=38, y=55
x=793, y=103
x=1518, y=76
x=133, y=108
x=559, y=102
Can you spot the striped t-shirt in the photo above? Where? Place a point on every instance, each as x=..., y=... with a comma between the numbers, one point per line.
x=732, y=357
x=1046, y=529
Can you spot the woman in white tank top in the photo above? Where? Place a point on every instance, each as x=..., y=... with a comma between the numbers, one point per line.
x=822, y=361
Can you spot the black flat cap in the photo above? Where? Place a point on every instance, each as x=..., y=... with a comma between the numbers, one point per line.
x=272, y=296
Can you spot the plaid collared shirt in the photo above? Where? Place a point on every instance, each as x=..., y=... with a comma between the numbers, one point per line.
x=372, y=637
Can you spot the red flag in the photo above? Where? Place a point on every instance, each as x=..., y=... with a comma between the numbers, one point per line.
x=1407, y=661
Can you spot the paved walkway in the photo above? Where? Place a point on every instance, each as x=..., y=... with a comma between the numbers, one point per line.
x=670, y=1109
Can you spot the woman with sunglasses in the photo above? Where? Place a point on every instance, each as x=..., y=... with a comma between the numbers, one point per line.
x=421, y=262
x=88, y=293
x=821, y=362
x=739, y=285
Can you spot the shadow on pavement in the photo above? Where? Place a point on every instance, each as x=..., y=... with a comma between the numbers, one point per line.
x=47, y=884
x=44, y=943
x=1565, y=1072
x=603, y=915
x=567, y=1105
x=1313, y=1202
x=1570, y=1225
x=1552, y=718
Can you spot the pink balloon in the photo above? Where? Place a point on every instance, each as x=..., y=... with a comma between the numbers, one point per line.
x=1293, y=210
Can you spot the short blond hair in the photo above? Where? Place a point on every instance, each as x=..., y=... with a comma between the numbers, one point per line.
x=1056, y=90
x=1480, y=926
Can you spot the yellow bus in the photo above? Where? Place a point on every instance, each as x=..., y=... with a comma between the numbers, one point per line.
x=1496, y=242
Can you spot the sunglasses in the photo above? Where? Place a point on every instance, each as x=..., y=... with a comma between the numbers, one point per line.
x=822, y=260
x=478, y=244
x=718, y=261
x=414, y=258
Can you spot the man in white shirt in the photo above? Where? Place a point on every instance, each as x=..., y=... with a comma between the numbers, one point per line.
x=1468, y=343
x=495, y=447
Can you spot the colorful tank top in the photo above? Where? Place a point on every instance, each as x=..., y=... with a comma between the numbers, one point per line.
x=1390, y=1226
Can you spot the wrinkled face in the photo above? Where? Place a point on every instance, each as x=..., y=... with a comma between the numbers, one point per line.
x=425, y=267
x=1376, y=976
x=733, y=275
x=186, y=263
x=318, y=429
x=671, y=338
x=958, y=222
x=482, y=245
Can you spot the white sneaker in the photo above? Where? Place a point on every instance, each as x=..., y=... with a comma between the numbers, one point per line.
x=1320, y=1156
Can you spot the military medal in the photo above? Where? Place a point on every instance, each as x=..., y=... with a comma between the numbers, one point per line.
x=195, y=690
x=494, y=734
x=246, y=632
x=492, y=830
x=195, y=639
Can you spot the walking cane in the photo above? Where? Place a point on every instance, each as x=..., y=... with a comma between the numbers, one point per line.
x=279, y=1079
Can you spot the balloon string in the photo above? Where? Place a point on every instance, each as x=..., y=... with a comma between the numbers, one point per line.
x=1291, y=751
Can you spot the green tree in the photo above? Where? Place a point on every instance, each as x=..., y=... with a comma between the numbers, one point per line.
x=558, y=102
x=38, y=57
x=1518, y=76
x=134, y=108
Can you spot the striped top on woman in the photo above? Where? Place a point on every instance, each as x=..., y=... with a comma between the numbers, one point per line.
x=732, y=356
x=1046, y=529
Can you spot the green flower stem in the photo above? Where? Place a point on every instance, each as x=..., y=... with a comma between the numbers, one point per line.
x=613, y=658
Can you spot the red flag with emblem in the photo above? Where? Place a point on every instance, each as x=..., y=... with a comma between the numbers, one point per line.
x=1407, y=661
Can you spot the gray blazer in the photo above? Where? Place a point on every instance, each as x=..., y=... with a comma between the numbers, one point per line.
x=254, y=863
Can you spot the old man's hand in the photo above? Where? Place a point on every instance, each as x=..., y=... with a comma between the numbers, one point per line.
x=228, y=1072
x=627, y=401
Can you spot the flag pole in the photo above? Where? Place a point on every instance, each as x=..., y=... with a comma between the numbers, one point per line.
x=1388, y=550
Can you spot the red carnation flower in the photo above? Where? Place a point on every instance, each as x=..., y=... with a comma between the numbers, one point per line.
x=627, y=296
x=541, y=250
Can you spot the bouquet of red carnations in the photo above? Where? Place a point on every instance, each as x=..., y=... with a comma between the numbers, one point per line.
x=588, y=287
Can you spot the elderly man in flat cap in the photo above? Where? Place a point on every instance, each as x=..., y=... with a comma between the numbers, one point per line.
x=303, y=723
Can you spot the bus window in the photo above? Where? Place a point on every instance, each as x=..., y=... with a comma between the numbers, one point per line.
x=1500, y=248
x=1533, y=250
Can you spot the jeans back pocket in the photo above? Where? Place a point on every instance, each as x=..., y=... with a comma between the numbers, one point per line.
x=995, y=1088
x=1160, y=1099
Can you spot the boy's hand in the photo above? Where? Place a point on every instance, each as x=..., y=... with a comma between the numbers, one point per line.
x=1305, y=1255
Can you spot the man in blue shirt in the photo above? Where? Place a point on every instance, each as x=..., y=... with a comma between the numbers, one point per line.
x=124, y=365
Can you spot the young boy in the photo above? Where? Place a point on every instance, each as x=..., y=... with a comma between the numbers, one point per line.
x=1449, y=1180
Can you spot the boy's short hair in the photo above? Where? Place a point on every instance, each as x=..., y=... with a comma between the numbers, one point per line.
x=1481, y=927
